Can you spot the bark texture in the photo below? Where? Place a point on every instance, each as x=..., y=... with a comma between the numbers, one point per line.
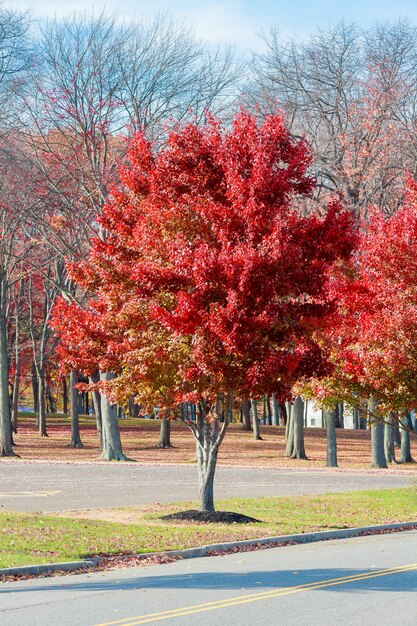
x=297, y=412
x=255, y=420
x=377, y=440
x=405, y=439
x=6, y=442
x=75, y=421
x=389, y=447
x=165, y=432
x=112, y=445
x=330, y=417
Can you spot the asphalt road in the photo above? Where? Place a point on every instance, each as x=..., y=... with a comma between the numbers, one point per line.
x=57, y=487
x=367, y=581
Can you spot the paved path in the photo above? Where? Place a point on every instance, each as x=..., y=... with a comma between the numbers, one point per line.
x=56, y=487
x=368, y=581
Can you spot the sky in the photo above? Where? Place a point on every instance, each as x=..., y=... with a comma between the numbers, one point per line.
x=239, y=22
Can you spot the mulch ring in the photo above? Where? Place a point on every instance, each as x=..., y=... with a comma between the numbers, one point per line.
x=207, y=517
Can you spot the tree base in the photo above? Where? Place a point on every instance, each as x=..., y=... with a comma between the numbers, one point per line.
x=207, y=517
x=118, y=456
x=163, y=446
x=76, y=444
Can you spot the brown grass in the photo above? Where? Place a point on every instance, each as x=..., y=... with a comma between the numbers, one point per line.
x=140, y=436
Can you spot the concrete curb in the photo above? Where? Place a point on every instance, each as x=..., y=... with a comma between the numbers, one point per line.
x=192, y=553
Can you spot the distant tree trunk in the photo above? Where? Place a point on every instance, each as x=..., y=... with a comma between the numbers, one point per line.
x=208, y=436
x=267, y=404
x=297, y=415
x=389, y=439
x=165, y=434
x=112, y=445
x=94, y=378
x=6, y=441
x=35, y=390
x=50, y=399
x=341, y=414
x=245, y=407
x=405, y=440
x=362, y=420
x=289, y=430
x=75, y=421
x=397, y=434
x=282, y=412
x=377, y=439
x=15, y=397
x=255, y=420
x=41, y=403
x=331, y=460
x=355, y=418
x=64, y=395
x=274, y=411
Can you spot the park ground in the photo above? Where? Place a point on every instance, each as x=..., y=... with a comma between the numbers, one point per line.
x=140, y=436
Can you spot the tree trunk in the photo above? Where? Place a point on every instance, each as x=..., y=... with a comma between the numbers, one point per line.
x=389, y=439
x=94, y=378
x=75, y=420
x=341, y=414
x=15, y=397
x=275, y=411
x=41, y=404
x=112, y=445
x=165, y=434
x=268, y=410
x=355, y=418
x=245, y=407
x=289, y=431
x=208, y=438
x=397, y=435
x=255, y=420
x=64, y=396
x=282, y=412
x=6, y=441
x=405, y=440
x=377, y=439
x=297, y=413
x=35, y=390
x=331, y=460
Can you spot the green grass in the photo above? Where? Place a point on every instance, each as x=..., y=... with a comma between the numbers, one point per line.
x=31, y=539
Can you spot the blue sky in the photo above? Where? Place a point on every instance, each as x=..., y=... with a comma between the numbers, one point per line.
x=238, y=21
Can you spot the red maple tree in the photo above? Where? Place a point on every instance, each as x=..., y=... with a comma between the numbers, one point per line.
x=211, y=280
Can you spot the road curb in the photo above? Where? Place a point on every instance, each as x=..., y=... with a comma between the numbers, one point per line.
x=201, y=551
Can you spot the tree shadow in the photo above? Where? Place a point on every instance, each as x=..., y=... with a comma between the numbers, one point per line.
x=247, y=582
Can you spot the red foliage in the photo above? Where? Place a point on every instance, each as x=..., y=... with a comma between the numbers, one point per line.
x=210, y=278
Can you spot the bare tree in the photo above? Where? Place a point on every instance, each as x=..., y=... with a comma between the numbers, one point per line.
x=347, y=90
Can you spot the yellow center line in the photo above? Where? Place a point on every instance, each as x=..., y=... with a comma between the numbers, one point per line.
x=254, y=597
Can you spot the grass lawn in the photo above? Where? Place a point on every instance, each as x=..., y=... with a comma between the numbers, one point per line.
x=32, y=539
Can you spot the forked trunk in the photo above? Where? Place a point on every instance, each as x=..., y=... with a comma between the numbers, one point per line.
x=208, y=436
x=112, y=445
